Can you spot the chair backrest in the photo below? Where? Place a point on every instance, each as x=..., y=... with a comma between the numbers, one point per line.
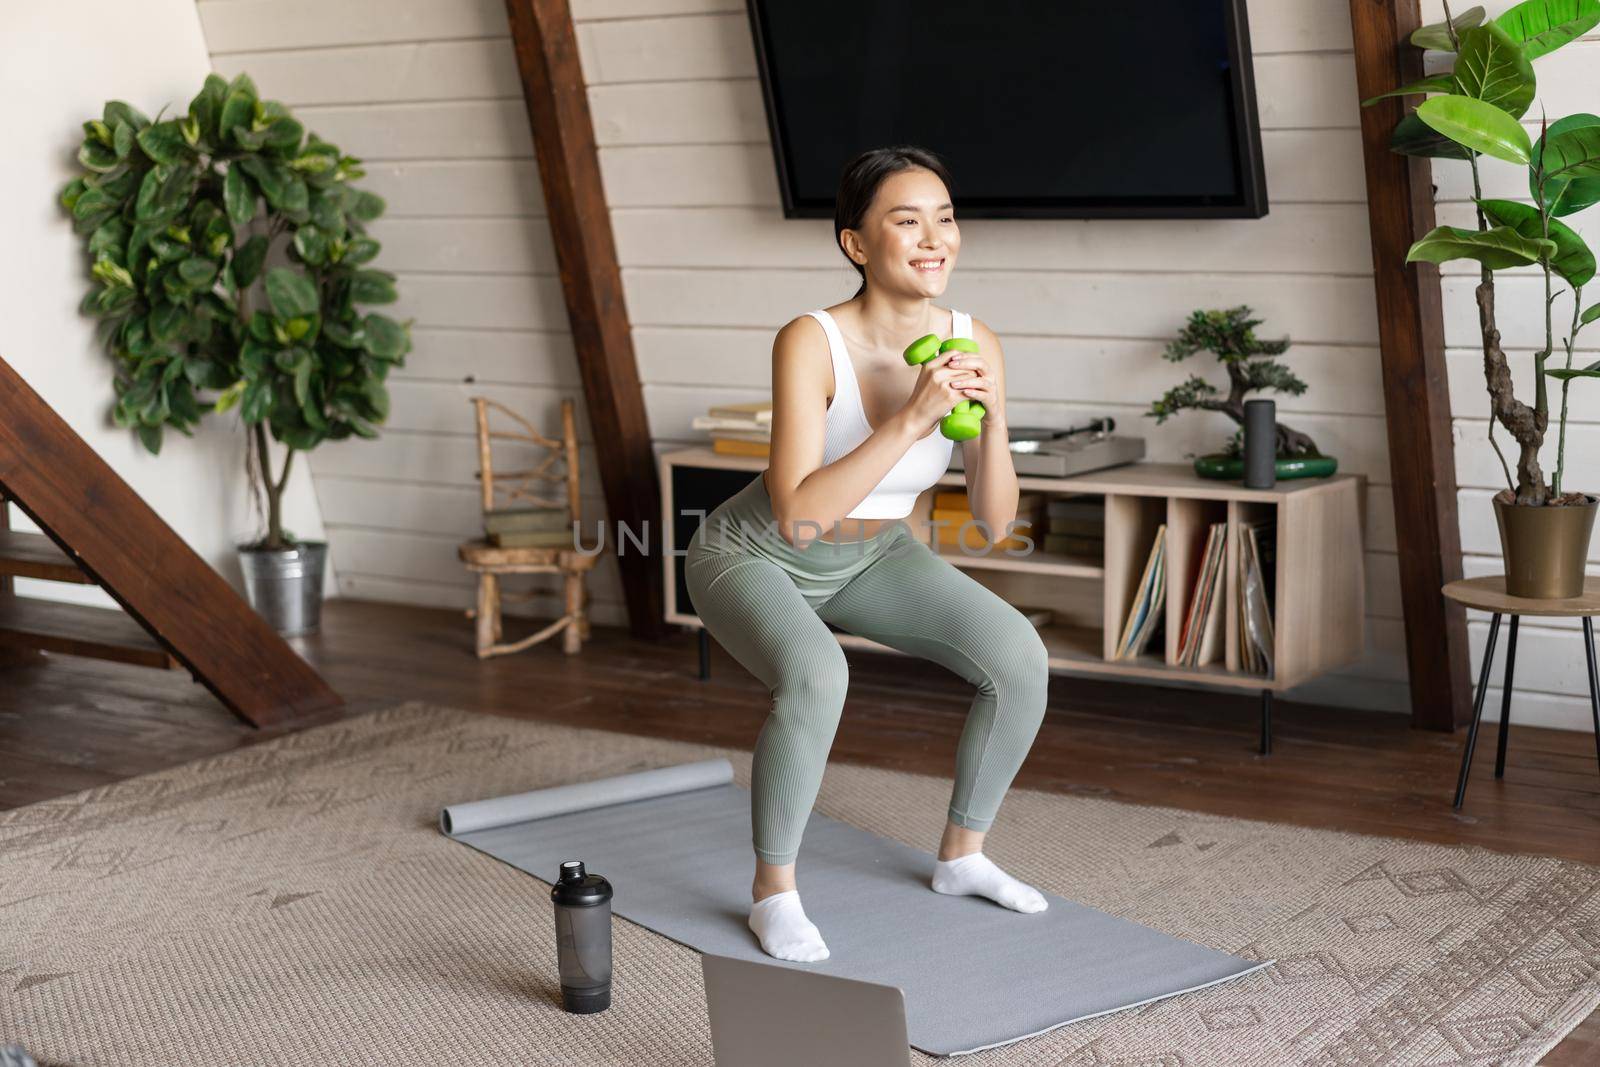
x=528, y=485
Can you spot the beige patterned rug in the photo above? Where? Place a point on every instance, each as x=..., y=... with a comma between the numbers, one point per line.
x=294, y=903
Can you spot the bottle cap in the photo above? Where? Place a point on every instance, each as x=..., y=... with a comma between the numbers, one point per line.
x=575, y=887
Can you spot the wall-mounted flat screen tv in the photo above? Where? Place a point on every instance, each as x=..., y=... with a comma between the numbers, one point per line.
x=1041, y=108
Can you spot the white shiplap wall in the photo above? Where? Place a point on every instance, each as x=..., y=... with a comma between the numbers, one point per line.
x=426, y=93
x=1551, y=688
x=712, y=268
x=154, y=56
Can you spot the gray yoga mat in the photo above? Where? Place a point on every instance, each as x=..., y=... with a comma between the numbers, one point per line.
x=675, y=844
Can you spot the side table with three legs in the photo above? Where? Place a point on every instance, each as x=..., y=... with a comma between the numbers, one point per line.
x=1489, y=594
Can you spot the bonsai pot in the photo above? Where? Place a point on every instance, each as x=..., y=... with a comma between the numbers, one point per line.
x=1545, y=547
x=1231, y=468
x=284, y=586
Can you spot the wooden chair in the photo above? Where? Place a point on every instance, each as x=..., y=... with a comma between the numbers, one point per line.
x=525, y=486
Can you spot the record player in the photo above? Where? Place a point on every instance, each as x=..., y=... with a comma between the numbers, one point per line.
x=1056, y=452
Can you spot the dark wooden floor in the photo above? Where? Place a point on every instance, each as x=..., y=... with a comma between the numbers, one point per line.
x=68, y=724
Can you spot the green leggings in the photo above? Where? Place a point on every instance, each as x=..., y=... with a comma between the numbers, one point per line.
x=768, y=604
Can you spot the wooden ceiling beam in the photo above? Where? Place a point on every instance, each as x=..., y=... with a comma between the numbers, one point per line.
x=591, y=281
x=1415, y=388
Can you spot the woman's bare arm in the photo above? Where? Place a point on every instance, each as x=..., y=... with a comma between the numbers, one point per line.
x=991, y=476
x=806, y=494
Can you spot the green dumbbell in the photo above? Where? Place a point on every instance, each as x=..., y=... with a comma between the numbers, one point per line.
x=965, y=420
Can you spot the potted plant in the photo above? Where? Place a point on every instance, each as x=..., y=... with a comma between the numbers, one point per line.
x=1229, y=335
x=230, y=266
x=1473, y=112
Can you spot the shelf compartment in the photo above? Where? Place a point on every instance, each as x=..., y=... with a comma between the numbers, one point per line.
x=1131, y=524
x=1073, y=601
x=1079, y=519
x=1189, y=522
x=1072, y=646
x=1242, y=513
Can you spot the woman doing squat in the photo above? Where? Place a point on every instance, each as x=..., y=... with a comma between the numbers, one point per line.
x=855, y=440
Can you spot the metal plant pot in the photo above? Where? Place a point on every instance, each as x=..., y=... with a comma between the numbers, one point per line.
x=285, y=585
x=1545, y=547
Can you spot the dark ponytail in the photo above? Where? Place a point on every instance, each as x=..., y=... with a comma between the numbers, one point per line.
x=859, y=184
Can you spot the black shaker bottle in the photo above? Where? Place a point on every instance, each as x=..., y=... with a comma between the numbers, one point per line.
x=583, y=938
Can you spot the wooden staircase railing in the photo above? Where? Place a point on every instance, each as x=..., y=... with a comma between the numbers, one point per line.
x=10, y=656
x=100, y=531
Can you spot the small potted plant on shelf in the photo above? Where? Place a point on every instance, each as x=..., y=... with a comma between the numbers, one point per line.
x=1473, y=111
x=1229, y=334
x=230, y=265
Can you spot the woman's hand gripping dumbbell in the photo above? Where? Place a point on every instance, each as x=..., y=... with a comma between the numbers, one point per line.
x=965, y=420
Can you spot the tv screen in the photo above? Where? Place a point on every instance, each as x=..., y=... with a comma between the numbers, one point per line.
x=1041, y=108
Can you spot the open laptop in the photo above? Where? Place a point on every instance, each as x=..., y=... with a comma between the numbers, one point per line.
x=771, y=1015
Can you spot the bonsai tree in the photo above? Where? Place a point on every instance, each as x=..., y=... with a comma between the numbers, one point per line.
x=181, y=218
x=1230, y=336
x=1480, y=100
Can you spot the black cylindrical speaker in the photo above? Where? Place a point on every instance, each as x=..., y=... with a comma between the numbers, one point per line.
x=1260, y=444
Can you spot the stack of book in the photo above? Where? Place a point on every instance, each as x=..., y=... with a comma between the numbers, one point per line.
x=1202, y=622
x=1076, y=526
x=738, y=429
x=1146, y=614
x=953, y=511
x=1257, y=574
x=531, y=527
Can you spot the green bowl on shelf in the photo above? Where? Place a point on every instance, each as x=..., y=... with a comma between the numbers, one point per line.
x=1231, y=468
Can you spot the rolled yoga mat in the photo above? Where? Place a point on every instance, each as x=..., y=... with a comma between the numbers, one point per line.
x=675, y=844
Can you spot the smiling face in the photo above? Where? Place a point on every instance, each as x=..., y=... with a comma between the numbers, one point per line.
x=908, y=240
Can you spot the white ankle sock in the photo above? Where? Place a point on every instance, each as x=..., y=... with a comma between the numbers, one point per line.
x=785, y=932
x=976, y=875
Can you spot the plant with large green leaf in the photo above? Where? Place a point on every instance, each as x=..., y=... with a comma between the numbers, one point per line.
x=231, y=268
x=1476, y=112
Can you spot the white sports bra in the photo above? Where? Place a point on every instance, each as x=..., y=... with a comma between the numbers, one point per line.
x=846, y=427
